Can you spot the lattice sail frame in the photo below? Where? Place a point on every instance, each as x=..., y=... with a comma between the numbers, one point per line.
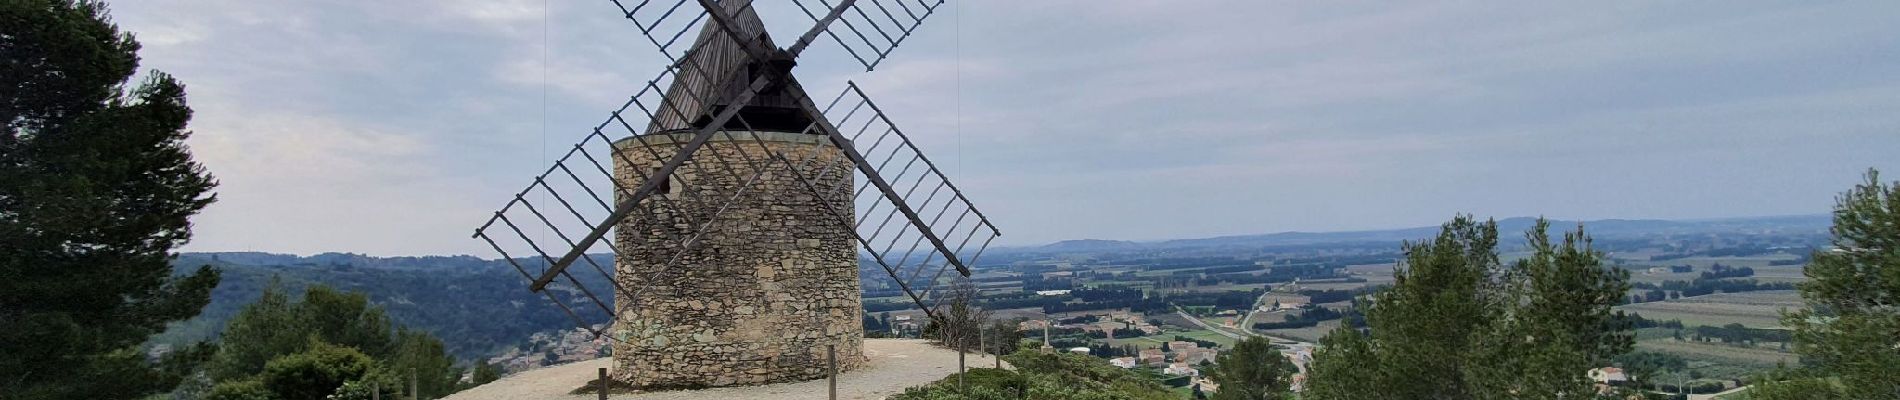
x=568, y=201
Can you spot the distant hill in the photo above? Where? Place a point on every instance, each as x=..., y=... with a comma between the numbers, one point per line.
x=1090, y=245
x=1602, y=229
x=477, y=307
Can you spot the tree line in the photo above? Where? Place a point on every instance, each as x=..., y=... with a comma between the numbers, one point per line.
x=1459, y=324
x=97, y=188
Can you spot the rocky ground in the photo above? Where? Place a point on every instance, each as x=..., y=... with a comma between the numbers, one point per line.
x=894, y=364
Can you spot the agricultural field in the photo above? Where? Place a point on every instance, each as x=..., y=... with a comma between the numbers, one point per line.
x=1752, y=309
x=1723, y=353
x=1780, y=273
x=1340, y=285
x=1374, y=274
x=1226, y=287
x=1309, y=334
x=1764, y=271
x=1203, y=334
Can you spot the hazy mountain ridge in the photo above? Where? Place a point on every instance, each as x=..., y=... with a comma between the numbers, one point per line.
x=1603, y=229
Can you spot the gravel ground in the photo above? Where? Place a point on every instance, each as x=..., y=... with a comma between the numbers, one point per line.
x=894, y=364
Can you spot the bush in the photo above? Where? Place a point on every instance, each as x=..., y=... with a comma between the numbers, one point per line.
x=315, y=373
x=251, y=389
x=361, y=389
x=1044, y=376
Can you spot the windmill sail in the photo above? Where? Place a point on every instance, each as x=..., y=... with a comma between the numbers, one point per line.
x=709, y=117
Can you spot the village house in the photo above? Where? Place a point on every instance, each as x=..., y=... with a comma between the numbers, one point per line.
x=1179, y=346
x=1608, y=375
x=1151, y=357
x=1286, y=301
x=1207, y=385
x=1123, y=362
x=1181, y=369
x=1196, y=356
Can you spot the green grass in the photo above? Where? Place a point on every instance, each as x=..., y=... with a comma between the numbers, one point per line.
x=1144, y=342
x=1203, y=334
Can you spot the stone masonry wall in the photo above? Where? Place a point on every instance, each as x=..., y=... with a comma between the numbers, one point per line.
x=772, y=281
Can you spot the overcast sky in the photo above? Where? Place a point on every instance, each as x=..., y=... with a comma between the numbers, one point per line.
x=396, y=127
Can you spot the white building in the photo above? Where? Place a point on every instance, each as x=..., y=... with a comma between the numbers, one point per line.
x=1181, y=369
x=1607, y=375
x=1123, y=362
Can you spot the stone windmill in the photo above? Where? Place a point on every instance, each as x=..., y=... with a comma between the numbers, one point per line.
x=741, y=213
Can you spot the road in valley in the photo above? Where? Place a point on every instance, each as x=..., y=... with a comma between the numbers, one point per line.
x=1204, y=325
x=1288, y=343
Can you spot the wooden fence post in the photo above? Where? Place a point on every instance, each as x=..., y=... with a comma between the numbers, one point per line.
x=831, y=362
x=603, y=384
x=960, y=370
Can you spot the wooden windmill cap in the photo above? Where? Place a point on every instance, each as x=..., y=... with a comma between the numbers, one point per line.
x=718, y=68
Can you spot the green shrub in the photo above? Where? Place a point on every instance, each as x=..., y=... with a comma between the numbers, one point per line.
x=361, y=389
x=250, y=389
x=1044, y=376
x=315, y=373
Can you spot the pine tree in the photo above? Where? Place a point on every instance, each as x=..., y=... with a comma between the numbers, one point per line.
x=1252, y=370
x=1422, y=326
x=275, y=327
x=417, y=351
x=1343, y=367
x=96, y=189
x=1458, y=324
x=1561, y=321
x=484, y=373
x=1848, y=331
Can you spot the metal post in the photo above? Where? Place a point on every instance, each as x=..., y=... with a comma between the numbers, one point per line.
x=831, y=365
x=603, y=384
x=414, y=392
x=375, y=391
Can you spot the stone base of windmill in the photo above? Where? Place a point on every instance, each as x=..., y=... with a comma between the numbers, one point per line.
x=890, y=366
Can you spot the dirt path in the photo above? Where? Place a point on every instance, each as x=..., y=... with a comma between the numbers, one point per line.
x=894, y=364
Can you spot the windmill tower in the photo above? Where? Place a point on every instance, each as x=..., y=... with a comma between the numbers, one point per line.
x=738, y=218
x=772, y=284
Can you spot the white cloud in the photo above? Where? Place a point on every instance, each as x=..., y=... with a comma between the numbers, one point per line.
x=394, y=127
